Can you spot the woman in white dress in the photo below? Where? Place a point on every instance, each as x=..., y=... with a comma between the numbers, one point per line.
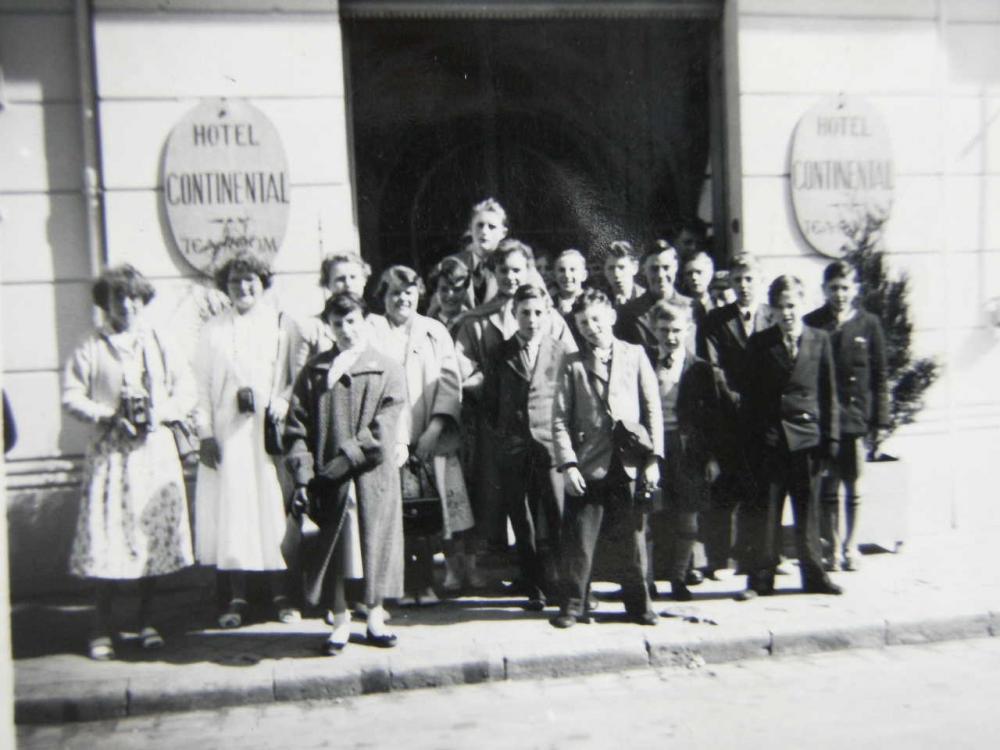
x=129, y=383
x=426, y=350
x=243, y=372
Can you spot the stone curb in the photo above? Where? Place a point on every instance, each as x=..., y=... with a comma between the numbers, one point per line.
x=205, y=687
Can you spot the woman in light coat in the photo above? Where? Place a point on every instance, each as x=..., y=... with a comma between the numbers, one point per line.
x=243, y=372
x=426, y=350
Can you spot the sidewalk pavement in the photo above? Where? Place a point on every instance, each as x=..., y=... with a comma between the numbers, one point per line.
x=937, y=588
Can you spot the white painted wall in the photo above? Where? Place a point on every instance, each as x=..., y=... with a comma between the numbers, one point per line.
x=154, y=62
x=45, y=267
x=932, y=68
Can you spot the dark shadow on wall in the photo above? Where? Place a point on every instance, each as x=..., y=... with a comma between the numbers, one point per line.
x=585, y=130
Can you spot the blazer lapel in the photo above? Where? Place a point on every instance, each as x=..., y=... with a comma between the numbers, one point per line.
x=544, y=360
x=735, y=325
x=512, y=356
x=807, y=343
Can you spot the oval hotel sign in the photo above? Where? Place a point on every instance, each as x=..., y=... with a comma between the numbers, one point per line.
x=225, y=184
x=841, y=170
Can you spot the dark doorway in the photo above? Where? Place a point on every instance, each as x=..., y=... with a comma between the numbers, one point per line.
x=586, y=130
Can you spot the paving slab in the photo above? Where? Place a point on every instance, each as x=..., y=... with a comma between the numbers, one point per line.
x=939, y=590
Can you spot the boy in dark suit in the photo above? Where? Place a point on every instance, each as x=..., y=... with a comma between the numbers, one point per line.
x=517, y=399
x=863, y=391
x=609, y=384
x=691, y=397
x=722, y=341
x=620, y=268
x=792, y=425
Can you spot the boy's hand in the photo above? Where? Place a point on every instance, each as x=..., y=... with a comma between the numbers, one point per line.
x=576, y=485
x=712, y=470
x=209, y=453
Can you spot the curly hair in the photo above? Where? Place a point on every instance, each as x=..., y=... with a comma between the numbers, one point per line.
x=491, y=205
x=241, y=262
x=348, y=256
x=124, y=280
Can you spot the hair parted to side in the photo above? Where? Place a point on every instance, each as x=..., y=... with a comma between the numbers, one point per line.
x=784, y=283
x=124, y=280
x=347, y=256
x=621, y=249
x=341, y=304
x=527, y=292
x=491, y=205
x=451, y=269
x=840, y=269
x=744, y=262
x=591, y=298
x=508, y=247
x=400, y=276
x=700, y=256
x=672, y=311
x=243, y=261
x=661, y=246
x=572, y=252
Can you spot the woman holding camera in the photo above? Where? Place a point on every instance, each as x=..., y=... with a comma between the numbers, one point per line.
x=127, y=382
x=243, y=372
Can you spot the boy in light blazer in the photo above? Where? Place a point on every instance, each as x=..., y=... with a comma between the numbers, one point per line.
x=609, y=381
x=863, y=391
x=517, y=398
x=792, y=426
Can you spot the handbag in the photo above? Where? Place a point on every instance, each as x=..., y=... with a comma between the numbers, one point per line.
x=632, y=441
x=186, y=440
x=185, y=436
x=274, y=435
x=422, y=512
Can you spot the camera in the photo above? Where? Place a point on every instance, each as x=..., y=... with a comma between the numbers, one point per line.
x=136, y=410
x=244, y=400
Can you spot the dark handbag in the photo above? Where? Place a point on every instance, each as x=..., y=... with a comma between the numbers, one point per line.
x=186, y=440
x=422, y=512
x=647, y=498
x=632, y=442
x=274, y=435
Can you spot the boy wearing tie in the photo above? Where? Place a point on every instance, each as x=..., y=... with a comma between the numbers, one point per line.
x=792, y=425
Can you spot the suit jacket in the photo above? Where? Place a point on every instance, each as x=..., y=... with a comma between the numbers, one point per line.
x=635, y=323
x=700, y=404
x=860, y=362
x=518, y=404
x=581, y=423
x=480, y=335
x=785, y=402
x=722, y=341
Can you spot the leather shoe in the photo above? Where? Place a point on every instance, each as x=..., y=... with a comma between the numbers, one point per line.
x=332, y=648
x=746, y=595
x=653, y=593
x=563, y=621
x=535, y=604
x=822, y=586
x=386, y=640
x=693, y=577
x=679, y=592
x=647, y=618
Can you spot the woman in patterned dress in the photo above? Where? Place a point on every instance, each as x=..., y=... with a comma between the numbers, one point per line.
x=129, y=383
